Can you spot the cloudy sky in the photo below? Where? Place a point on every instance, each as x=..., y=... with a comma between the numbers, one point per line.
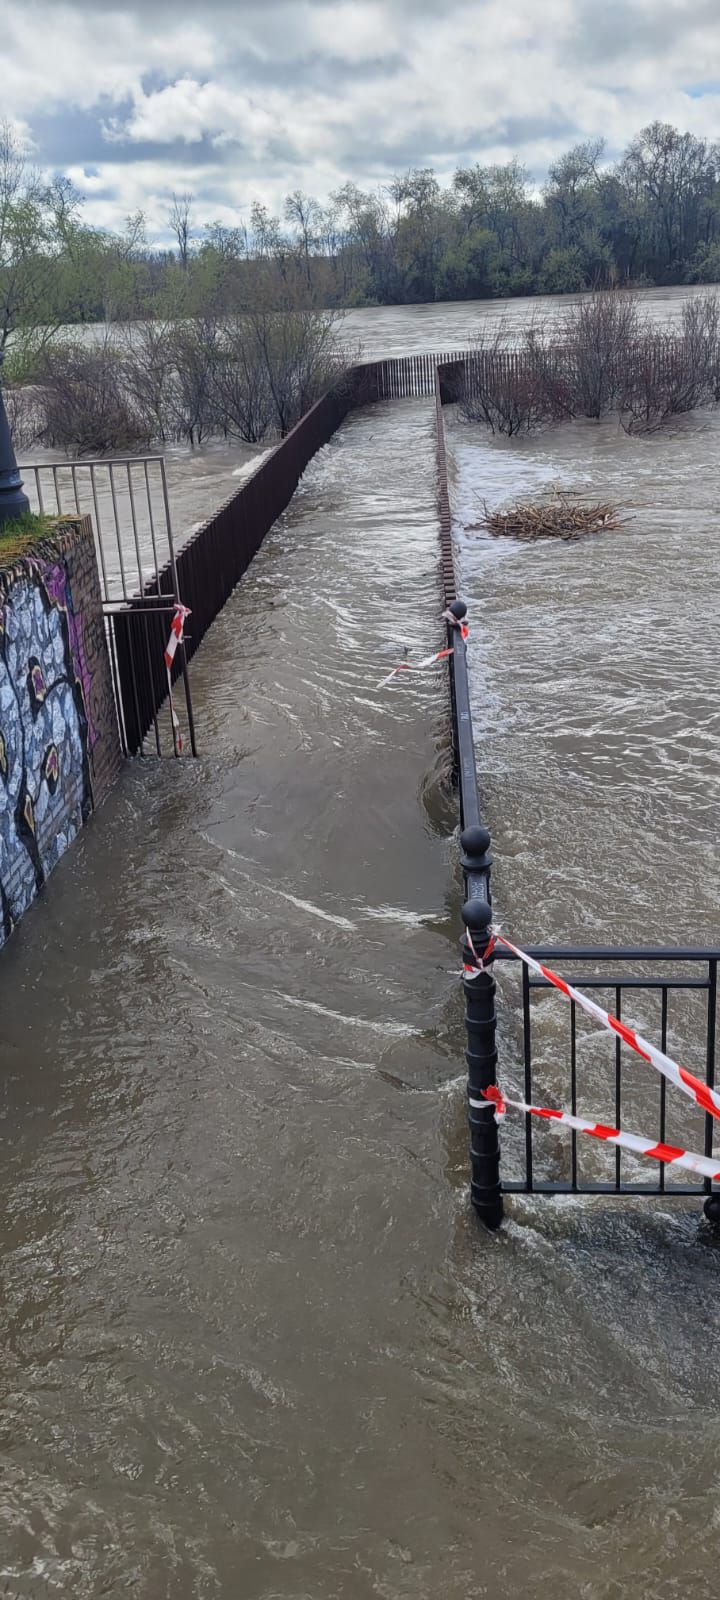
x=237, y=100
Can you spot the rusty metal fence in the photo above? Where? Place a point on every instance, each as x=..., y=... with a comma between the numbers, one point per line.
x=143, y=575
x=205, y=571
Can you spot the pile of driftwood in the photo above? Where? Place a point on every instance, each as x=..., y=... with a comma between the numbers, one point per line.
x=559, y=518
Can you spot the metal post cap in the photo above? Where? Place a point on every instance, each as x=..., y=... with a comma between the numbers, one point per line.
x=712, y=1209
x=475, y=841
x=458, y=609
x=476, y=915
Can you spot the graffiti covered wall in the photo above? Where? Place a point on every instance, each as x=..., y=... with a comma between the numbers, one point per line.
x=59, y=745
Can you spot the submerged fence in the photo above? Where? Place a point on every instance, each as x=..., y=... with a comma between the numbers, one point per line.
x=206, y=569
x=210, y=564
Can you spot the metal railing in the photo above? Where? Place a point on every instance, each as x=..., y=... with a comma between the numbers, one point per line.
x=129, y=506
x=128, y=501
x=212, y=561
x=654, y=971
x=693, y=972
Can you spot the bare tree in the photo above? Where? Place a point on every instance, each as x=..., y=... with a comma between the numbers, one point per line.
x=299, y=354
x=195, y=359
x=701, y=339
x=242, y=390
x=180, y=220
x=306, y=214
x=669, y=375
x=149, y=374
x=598, y=334
x=547, y=360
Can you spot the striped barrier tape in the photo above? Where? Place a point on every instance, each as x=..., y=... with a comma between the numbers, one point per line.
x=439, y=655
x=705, y=1097
x=671, y=1155
x=415, y=666
x=469, y=973
x=177, y=629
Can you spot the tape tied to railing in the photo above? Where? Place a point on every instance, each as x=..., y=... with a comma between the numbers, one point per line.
x=480, y=962
x=177, y=634
x=706, y=1098
x=670, y=1155
x=429, y=661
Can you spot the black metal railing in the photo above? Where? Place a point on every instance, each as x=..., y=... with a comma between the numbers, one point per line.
x=614, y=1086
x=692, y=972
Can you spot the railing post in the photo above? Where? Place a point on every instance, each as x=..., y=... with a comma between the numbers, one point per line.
x=712, y=1204
x=481, y=1057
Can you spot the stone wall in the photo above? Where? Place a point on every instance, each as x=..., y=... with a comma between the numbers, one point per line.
x=59, y=744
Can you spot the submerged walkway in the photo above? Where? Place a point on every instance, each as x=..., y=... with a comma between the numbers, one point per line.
x=218, y=1191
x=254, y=1344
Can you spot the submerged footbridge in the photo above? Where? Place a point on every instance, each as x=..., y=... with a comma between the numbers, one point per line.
x=513, y=1013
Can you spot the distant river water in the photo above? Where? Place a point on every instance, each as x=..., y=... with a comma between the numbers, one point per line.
x=254, y=1344
x=200, y=479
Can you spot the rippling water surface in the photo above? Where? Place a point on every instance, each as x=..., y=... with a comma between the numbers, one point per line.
x=596, y=680
x=452, y=325
x=254, y=1343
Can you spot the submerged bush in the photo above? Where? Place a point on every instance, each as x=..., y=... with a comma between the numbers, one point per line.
x=601, y=358
x=87, y=407
x=246, y=377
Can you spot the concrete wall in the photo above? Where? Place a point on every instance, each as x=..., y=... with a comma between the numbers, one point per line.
x=59, y=745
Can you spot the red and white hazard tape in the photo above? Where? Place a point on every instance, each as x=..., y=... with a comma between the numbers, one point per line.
x=671, y=1155
x=705, y=1097
x=428, y=661
x=177, y=628
x=469, y=973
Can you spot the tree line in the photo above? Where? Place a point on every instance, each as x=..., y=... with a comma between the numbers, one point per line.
x=651, y=217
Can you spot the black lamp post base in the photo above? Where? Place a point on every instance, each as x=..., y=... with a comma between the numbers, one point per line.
x=14, y=502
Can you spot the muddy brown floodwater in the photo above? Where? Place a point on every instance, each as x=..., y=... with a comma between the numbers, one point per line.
x=254, y=1343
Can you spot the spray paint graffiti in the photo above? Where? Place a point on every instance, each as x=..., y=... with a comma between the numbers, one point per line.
x=45, y=730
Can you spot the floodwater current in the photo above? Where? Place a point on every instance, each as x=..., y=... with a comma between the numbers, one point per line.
x=254, y=1343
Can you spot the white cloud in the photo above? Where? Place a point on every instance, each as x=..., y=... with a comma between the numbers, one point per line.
x=256, y=98
x=188, y=111
x=56, y=56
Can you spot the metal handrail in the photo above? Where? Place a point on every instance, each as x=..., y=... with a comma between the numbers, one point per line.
x=547, y=952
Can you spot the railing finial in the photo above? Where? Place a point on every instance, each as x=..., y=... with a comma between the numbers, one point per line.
x=475, y=847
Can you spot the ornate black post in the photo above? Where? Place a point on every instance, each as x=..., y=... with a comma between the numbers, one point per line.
x=13, y=500
x=481, y=1055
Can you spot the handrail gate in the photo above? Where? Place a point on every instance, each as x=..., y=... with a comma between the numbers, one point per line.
x=128, y=502
x=667, y=972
